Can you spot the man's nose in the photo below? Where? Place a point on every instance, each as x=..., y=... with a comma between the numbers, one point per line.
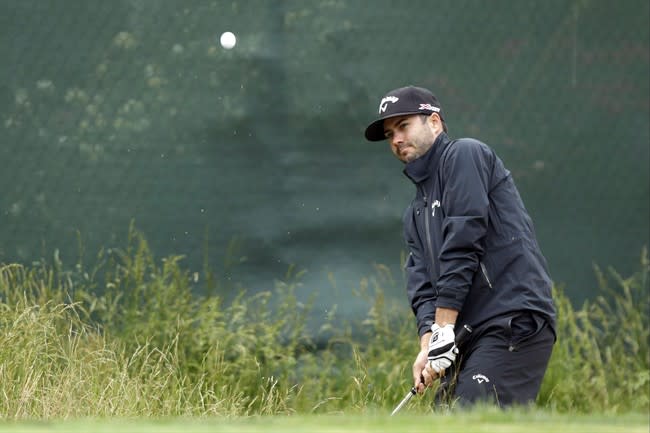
x=396, y=140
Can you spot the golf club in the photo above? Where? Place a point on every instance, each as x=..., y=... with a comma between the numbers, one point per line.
x=460, y=337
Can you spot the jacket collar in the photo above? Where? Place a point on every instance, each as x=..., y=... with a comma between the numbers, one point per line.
x=421, y=168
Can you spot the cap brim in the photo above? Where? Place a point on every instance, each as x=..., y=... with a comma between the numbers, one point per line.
x=375, y=131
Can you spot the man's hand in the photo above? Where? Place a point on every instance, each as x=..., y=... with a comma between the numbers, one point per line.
x=423, y=376
x=419, y=381
x=442, y=348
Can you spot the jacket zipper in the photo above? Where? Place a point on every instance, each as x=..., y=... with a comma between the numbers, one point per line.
x=485, y=274
x=426, y=225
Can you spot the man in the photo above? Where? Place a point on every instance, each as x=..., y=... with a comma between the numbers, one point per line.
x=473, y=259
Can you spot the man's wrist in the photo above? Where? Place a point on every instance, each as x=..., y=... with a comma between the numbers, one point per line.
x=424, y=341
x=445, y=316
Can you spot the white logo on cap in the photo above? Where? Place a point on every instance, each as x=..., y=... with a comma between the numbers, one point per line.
x=429, y=107
x=384, y=102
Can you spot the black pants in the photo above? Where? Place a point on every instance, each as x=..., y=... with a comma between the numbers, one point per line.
x=503, y=363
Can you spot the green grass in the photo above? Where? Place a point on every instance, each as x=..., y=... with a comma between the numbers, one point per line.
x=130, y=338
x=487, y=421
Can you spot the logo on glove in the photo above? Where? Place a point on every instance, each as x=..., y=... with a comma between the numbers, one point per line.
x=442, y=347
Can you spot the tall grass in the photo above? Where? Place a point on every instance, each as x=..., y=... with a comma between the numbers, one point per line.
x=601, y=361
x=132, y=337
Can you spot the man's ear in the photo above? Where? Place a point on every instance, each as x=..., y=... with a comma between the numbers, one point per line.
x=436, y=123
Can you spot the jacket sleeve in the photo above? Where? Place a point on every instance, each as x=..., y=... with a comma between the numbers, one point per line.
x=420, y=291
x=466, y=179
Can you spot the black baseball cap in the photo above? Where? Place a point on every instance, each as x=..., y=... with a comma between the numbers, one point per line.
x=400, y=102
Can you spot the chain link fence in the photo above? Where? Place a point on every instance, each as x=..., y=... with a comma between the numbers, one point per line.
x=130, y=110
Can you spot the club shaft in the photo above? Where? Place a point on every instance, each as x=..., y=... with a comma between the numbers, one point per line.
x=462, y=334
x=405, y=400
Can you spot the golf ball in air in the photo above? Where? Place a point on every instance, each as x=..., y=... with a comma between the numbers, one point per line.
x=228, y=40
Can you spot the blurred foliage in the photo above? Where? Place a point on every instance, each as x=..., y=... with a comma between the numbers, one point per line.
x=133, y=340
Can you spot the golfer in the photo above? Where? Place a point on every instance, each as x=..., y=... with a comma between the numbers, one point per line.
x=473, y=259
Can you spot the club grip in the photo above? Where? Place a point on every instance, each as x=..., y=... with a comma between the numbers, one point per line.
x=462, y=335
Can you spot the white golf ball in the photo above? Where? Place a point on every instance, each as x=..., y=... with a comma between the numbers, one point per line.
x=228, y=40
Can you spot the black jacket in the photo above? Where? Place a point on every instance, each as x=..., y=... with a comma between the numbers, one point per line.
x=471, y=241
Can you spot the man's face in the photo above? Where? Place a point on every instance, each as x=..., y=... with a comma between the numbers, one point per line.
x=411, y=136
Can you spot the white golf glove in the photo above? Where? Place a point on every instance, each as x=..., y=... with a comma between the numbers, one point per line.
x=442, y=347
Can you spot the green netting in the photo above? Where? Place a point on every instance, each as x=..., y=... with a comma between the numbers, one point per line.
x=130, y=110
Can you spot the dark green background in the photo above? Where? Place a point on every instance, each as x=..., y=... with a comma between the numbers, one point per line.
x=130, y=110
